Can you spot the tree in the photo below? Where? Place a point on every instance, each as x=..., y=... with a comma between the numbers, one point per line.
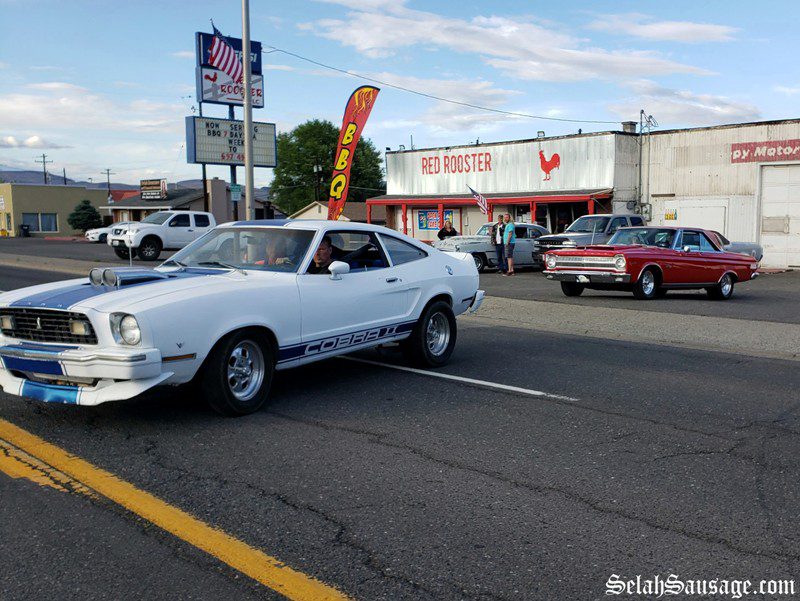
x=314, y=143
x=85, y=217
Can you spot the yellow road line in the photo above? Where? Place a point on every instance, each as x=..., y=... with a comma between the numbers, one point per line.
x=18, y=464
x=256, y=564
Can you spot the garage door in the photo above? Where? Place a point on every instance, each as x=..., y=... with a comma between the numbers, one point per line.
x=780, y=215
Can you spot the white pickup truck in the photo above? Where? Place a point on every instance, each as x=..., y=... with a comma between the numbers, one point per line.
x=164, y=229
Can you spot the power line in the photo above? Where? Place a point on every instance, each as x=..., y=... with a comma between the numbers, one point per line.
x=44, y=162
x=432, y=96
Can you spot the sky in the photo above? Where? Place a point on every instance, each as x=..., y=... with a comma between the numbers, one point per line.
x=98, y=84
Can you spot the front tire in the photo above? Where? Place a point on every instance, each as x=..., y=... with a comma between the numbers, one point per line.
x=433, y=338
x=723, y=290
x=646, y=287
x=149, y=249
x=572, y=288
x=124, y=252
x=480, y=261
x=237, y=374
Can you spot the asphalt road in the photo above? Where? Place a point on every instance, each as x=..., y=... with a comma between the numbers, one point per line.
x=400, y=485
x=78, y=250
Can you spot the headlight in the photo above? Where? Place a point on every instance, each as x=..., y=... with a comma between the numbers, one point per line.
x=619, y=263
x=551, y=261
x=125, y=328
x=7, y=322
x=79, y=327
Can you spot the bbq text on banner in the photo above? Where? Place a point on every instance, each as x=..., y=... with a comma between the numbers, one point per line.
x=355, y=117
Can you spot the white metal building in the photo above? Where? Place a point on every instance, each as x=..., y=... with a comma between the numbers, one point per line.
x=742, y=180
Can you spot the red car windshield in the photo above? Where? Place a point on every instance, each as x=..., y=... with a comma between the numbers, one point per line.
x=645, y=236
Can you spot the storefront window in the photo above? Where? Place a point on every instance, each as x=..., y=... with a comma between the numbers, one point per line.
x=49, y=222
x=31, y=220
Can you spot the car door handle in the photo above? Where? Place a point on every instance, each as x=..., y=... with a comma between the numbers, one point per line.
x=189, y=230
x=393, y=280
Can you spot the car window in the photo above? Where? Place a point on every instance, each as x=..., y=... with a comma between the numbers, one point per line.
x=360, y=250
x=521, y=231
x=692, y=240
x=485, y=230
x=401, y=252
x=617, y=223
x=201, y=221
x=589, y=224
x=635, y=220
x=157, y=218
x=722, y=239
x=181, y=220
x=705, y=245
x=646, y=236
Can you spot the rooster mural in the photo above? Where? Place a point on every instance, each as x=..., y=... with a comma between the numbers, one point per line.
x=548, y=165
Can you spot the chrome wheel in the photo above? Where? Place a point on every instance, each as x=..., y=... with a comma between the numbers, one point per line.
x=245, y=370
x=648, y=283
x=726, y=285
x=437, y=334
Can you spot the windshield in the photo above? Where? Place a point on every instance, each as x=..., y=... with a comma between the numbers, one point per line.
x=157, y=218
x=262, y=249
x=590, y=224
x=646, y=236
x=485, y=230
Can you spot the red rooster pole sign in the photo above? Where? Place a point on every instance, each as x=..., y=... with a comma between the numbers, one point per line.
x=355, y=117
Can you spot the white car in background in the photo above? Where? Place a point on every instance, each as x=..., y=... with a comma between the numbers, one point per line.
x=157, y=231
x=100, y=234
x=230, y=309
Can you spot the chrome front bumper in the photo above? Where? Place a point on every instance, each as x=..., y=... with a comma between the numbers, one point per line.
x=589, y=277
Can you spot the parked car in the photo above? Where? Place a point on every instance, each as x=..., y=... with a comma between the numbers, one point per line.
x=649, y=261
x=100, y=234
x=744, y=248
x=482, y=248
x=164, y=229
x=586, y=230
x=230, y=309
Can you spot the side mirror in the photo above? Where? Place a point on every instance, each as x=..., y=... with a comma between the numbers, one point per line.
x=338, y=269
x=687, y=249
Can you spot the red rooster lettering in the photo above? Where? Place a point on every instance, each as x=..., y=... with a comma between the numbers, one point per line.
x=549, y=165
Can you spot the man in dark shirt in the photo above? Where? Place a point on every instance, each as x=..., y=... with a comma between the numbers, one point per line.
x=323, y=257
x=447, y=231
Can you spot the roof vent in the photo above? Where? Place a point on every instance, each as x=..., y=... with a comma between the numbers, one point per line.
x=629, y=127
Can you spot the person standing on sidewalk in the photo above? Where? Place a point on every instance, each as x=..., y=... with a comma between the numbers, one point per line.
x=447, y=231
x=509, y=240
x=497, y=240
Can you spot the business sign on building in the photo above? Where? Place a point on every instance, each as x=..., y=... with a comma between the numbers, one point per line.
x=153, y=189
x=575, y=163
x=429, y=220
x=760, y=152
x=215, y=86
x=221, y=142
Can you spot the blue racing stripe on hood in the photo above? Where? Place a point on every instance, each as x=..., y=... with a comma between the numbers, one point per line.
x=66, y=297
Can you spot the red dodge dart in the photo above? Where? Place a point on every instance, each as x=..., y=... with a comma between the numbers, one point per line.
x=649, y=261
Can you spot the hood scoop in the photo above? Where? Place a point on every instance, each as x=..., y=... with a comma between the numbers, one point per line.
x=119, y=277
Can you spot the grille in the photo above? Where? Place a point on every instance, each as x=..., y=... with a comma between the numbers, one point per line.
x=54, y=326
x=604, y=262
x=545, y=245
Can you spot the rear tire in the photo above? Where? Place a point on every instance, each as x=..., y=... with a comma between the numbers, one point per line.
x=149, y=249
x=237, y=374
x=480, y=261
x=723, y=290
x=646, y=286
x=433, y=338
x=572, y=288
x=123, y=252
x=103, y=238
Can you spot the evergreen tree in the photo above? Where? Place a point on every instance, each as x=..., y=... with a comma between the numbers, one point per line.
x=85, y=217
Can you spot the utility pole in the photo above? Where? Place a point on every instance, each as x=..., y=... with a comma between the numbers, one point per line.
x=64, y=169
x=248, y=112
x=44, y=162
x=108, y=173
x=203, y=170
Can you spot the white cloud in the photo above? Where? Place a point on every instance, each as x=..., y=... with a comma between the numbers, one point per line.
x=679, y=107
x=183, y=54
x=29, y=142
x=642, y=26
x=267, y=67
x=3, y=65
x=787, y=90
x=522, y=47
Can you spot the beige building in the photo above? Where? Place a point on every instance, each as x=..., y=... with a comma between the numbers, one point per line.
x=353, y=211
x=44, y=209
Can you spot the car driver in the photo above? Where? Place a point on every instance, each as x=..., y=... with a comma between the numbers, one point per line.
x=323, y=257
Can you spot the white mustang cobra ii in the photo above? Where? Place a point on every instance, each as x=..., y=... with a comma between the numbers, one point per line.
x=229, y=309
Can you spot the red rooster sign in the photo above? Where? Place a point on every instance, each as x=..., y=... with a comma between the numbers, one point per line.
x=548, y=165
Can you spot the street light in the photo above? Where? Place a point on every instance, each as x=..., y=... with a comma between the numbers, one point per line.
x=318, y=177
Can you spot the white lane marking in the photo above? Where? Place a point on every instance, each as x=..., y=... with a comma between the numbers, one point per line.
x=463, y=380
